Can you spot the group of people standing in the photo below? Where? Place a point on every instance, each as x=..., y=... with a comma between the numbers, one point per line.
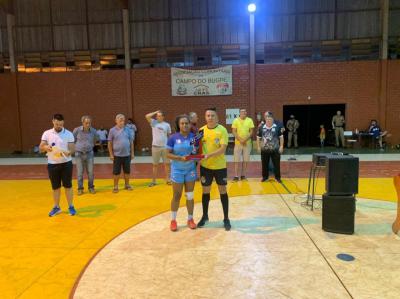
x=183, y=150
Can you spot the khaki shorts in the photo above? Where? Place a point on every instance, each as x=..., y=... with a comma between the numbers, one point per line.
x=157, y=153
x=241, y=150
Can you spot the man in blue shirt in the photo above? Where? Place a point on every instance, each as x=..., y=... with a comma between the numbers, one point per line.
x=376, y=132
x=120, y=147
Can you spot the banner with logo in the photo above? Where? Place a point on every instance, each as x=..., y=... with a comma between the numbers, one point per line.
x=207, y=82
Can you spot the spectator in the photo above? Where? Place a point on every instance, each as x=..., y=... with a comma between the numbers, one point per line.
x=121, y=150
x=375, y=131
x=131, y=126
x=242, y=129
x=58, y=142
x=103, y=138
x=193, y=122
x=85, y=139
x=270, y=144
x=161, y=130
x=322, y=135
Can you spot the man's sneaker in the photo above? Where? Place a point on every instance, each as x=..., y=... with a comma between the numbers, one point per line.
x=55, y=211
x=243, y=178
x=173, y=226
x=128, y=187
x=80, y=191
x=235, y=179
x=72, y=210
x=278, y=180
x=227, y=224
x=191, y=224
x=202, y=221
x=92, y=191
x=264, y=179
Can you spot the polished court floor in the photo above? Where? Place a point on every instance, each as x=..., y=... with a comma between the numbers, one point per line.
x=275, y=250
x=121, y=242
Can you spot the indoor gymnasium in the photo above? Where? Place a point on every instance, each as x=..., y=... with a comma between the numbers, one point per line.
x=200, y=149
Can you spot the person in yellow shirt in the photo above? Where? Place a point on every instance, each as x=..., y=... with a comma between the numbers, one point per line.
x=213, y=143
x=242, y=129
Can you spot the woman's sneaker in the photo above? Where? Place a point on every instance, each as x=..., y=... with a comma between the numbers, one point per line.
x=191, y=224
x=55, y=211
x=173, y=226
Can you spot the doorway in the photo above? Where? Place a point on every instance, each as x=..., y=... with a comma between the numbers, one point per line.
x=310, y=118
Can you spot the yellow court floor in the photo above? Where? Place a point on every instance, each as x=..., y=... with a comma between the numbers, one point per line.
x=42, y=257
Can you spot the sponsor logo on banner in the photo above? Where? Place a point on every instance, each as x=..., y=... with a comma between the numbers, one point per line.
x=205, y=82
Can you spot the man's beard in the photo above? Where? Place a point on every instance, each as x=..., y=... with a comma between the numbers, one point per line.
x=58, y=130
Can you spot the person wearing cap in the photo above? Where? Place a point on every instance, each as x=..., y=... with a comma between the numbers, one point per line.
x=292, y=125
x=270, y=144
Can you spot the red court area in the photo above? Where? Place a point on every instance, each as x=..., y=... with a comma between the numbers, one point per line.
x=368, y=169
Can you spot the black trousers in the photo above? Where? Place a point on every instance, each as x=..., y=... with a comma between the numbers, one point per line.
x=275, y=156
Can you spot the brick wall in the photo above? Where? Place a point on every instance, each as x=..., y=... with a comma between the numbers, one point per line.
x=104, y=94
x=99, y=94
x=354, y=83
x=151, y=89
x=9, y=121
x=393, y=101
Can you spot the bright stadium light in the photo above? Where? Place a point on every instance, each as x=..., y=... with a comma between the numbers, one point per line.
x=252, y=7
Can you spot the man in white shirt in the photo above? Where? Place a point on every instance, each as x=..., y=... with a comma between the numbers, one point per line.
x=160, y=131
x=58, y=142
x=103, y=138
x=131, y=126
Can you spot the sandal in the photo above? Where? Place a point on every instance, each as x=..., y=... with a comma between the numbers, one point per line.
x=152, y=184
x=115, y=190
x=128, y=187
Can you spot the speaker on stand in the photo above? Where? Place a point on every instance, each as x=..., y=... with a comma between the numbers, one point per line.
x=338, y=203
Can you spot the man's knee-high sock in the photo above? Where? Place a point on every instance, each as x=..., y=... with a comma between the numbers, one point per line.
x=205, y=200
x=225, y=205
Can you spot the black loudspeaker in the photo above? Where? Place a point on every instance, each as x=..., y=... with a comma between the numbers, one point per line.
x=341, y=176
x=338, y=214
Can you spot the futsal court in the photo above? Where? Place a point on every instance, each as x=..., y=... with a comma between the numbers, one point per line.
x=199, y=149
x=120, y=245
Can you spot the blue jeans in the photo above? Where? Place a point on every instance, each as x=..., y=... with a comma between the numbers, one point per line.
x=84, y=161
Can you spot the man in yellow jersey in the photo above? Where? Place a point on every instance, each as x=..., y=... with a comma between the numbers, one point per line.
x=242, y=129
x=214, y=143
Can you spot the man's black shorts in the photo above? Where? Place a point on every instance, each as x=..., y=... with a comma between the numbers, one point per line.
x=207, y=175
x=122, y=162
x=60, y=173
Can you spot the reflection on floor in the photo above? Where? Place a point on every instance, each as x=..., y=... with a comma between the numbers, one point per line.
x=276, y=249
x=42, y=257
